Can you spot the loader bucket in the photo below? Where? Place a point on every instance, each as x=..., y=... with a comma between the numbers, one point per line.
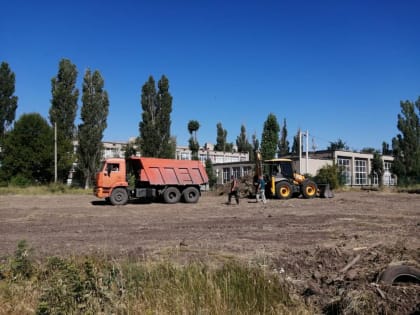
x=325, y=191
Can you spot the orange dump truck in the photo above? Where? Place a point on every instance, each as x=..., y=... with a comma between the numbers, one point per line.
x=120, y=180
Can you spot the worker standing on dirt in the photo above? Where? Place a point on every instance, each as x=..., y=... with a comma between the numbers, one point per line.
x=234, y=190
x=261, y=190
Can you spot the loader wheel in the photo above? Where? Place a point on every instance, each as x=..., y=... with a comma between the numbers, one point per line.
x=119, y=196
x=191, y=195
x=283, y=190
x=309, y=189
x=171, y=195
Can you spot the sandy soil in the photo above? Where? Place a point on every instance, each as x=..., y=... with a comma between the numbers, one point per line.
x=308, y=242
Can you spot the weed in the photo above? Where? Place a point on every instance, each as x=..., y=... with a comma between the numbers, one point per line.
x=92, y=285
x=21, y=265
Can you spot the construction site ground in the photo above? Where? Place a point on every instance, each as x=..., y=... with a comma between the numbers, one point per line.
x=331, y=251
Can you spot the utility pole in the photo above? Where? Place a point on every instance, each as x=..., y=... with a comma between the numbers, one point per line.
x=306, y=134
x=307, y=150
x=300, y=151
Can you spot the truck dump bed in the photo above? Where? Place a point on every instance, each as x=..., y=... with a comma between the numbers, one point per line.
x=171, y=172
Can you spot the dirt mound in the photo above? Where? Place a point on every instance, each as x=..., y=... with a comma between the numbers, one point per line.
x=246, y=187
x=339, y=281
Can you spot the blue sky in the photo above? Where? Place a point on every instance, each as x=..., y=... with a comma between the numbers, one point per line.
x=336, y=68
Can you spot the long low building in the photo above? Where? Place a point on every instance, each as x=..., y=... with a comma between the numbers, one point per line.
x=356, y=167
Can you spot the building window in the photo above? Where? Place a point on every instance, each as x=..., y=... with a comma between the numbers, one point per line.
x=226, y=174
x=344, y=165
x=236, y=172
x=360, y=172
x=375, y=179
x=184, y=156
x=389, y=179
x=246, y=170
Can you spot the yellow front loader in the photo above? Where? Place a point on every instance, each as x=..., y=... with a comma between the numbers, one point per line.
x=282, y=181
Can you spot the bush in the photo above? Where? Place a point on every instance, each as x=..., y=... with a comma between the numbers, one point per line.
x=330, y=174
x=20, y=181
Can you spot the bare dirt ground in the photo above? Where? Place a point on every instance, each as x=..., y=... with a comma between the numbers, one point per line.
x=331, y=251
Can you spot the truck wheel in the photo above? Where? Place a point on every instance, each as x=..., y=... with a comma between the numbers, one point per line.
x=283, y=190
x=119, y=196
x=309, y=189
x=191, y=195
x=171, y=195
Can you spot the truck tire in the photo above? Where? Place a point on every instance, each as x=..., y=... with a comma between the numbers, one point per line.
x=171, y=195
x=191, y=195
x=283, y=190
x=119, y=196
x=309, y=189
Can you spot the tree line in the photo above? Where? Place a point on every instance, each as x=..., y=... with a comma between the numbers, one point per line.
x=27, y=145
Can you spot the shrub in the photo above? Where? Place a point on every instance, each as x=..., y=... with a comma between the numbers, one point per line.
x=20, y=181
x=330, y=174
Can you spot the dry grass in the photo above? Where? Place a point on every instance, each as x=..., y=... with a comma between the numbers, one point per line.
x=99, y=285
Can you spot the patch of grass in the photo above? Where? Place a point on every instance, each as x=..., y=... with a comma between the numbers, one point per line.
x=53, y=188
x=92, y=285
x=413, y=189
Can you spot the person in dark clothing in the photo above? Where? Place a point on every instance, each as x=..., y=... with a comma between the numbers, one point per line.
x=234, y=190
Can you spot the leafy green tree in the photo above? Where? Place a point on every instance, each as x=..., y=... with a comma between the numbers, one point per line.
x=29, y=150
x=63, y=113
x=338, y=145
x=242, y=142
x=368, y=150
x=270, y=137
x=210, y=173
x=155, y=137
x=406, y=145
x=194, y=147
x=8, y=102
x=193, y=126
x=330, y=174
x=94, y=114
x=131, y=148
x=377, y=167
x=385, y=149
x=283, y=145
x=221, y=138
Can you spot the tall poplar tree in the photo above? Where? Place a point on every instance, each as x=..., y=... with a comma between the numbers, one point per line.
x=221, y=138
x=63, y=113
x=270, y=137
x=94, y=113
x=284, y=148
x=255, y=142
x=8, y=102
x=296, y=143
x=155, y=137
x=406, y=145
x=243, y=144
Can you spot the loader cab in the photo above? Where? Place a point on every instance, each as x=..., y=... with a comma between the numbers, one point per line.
x=280, y=168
